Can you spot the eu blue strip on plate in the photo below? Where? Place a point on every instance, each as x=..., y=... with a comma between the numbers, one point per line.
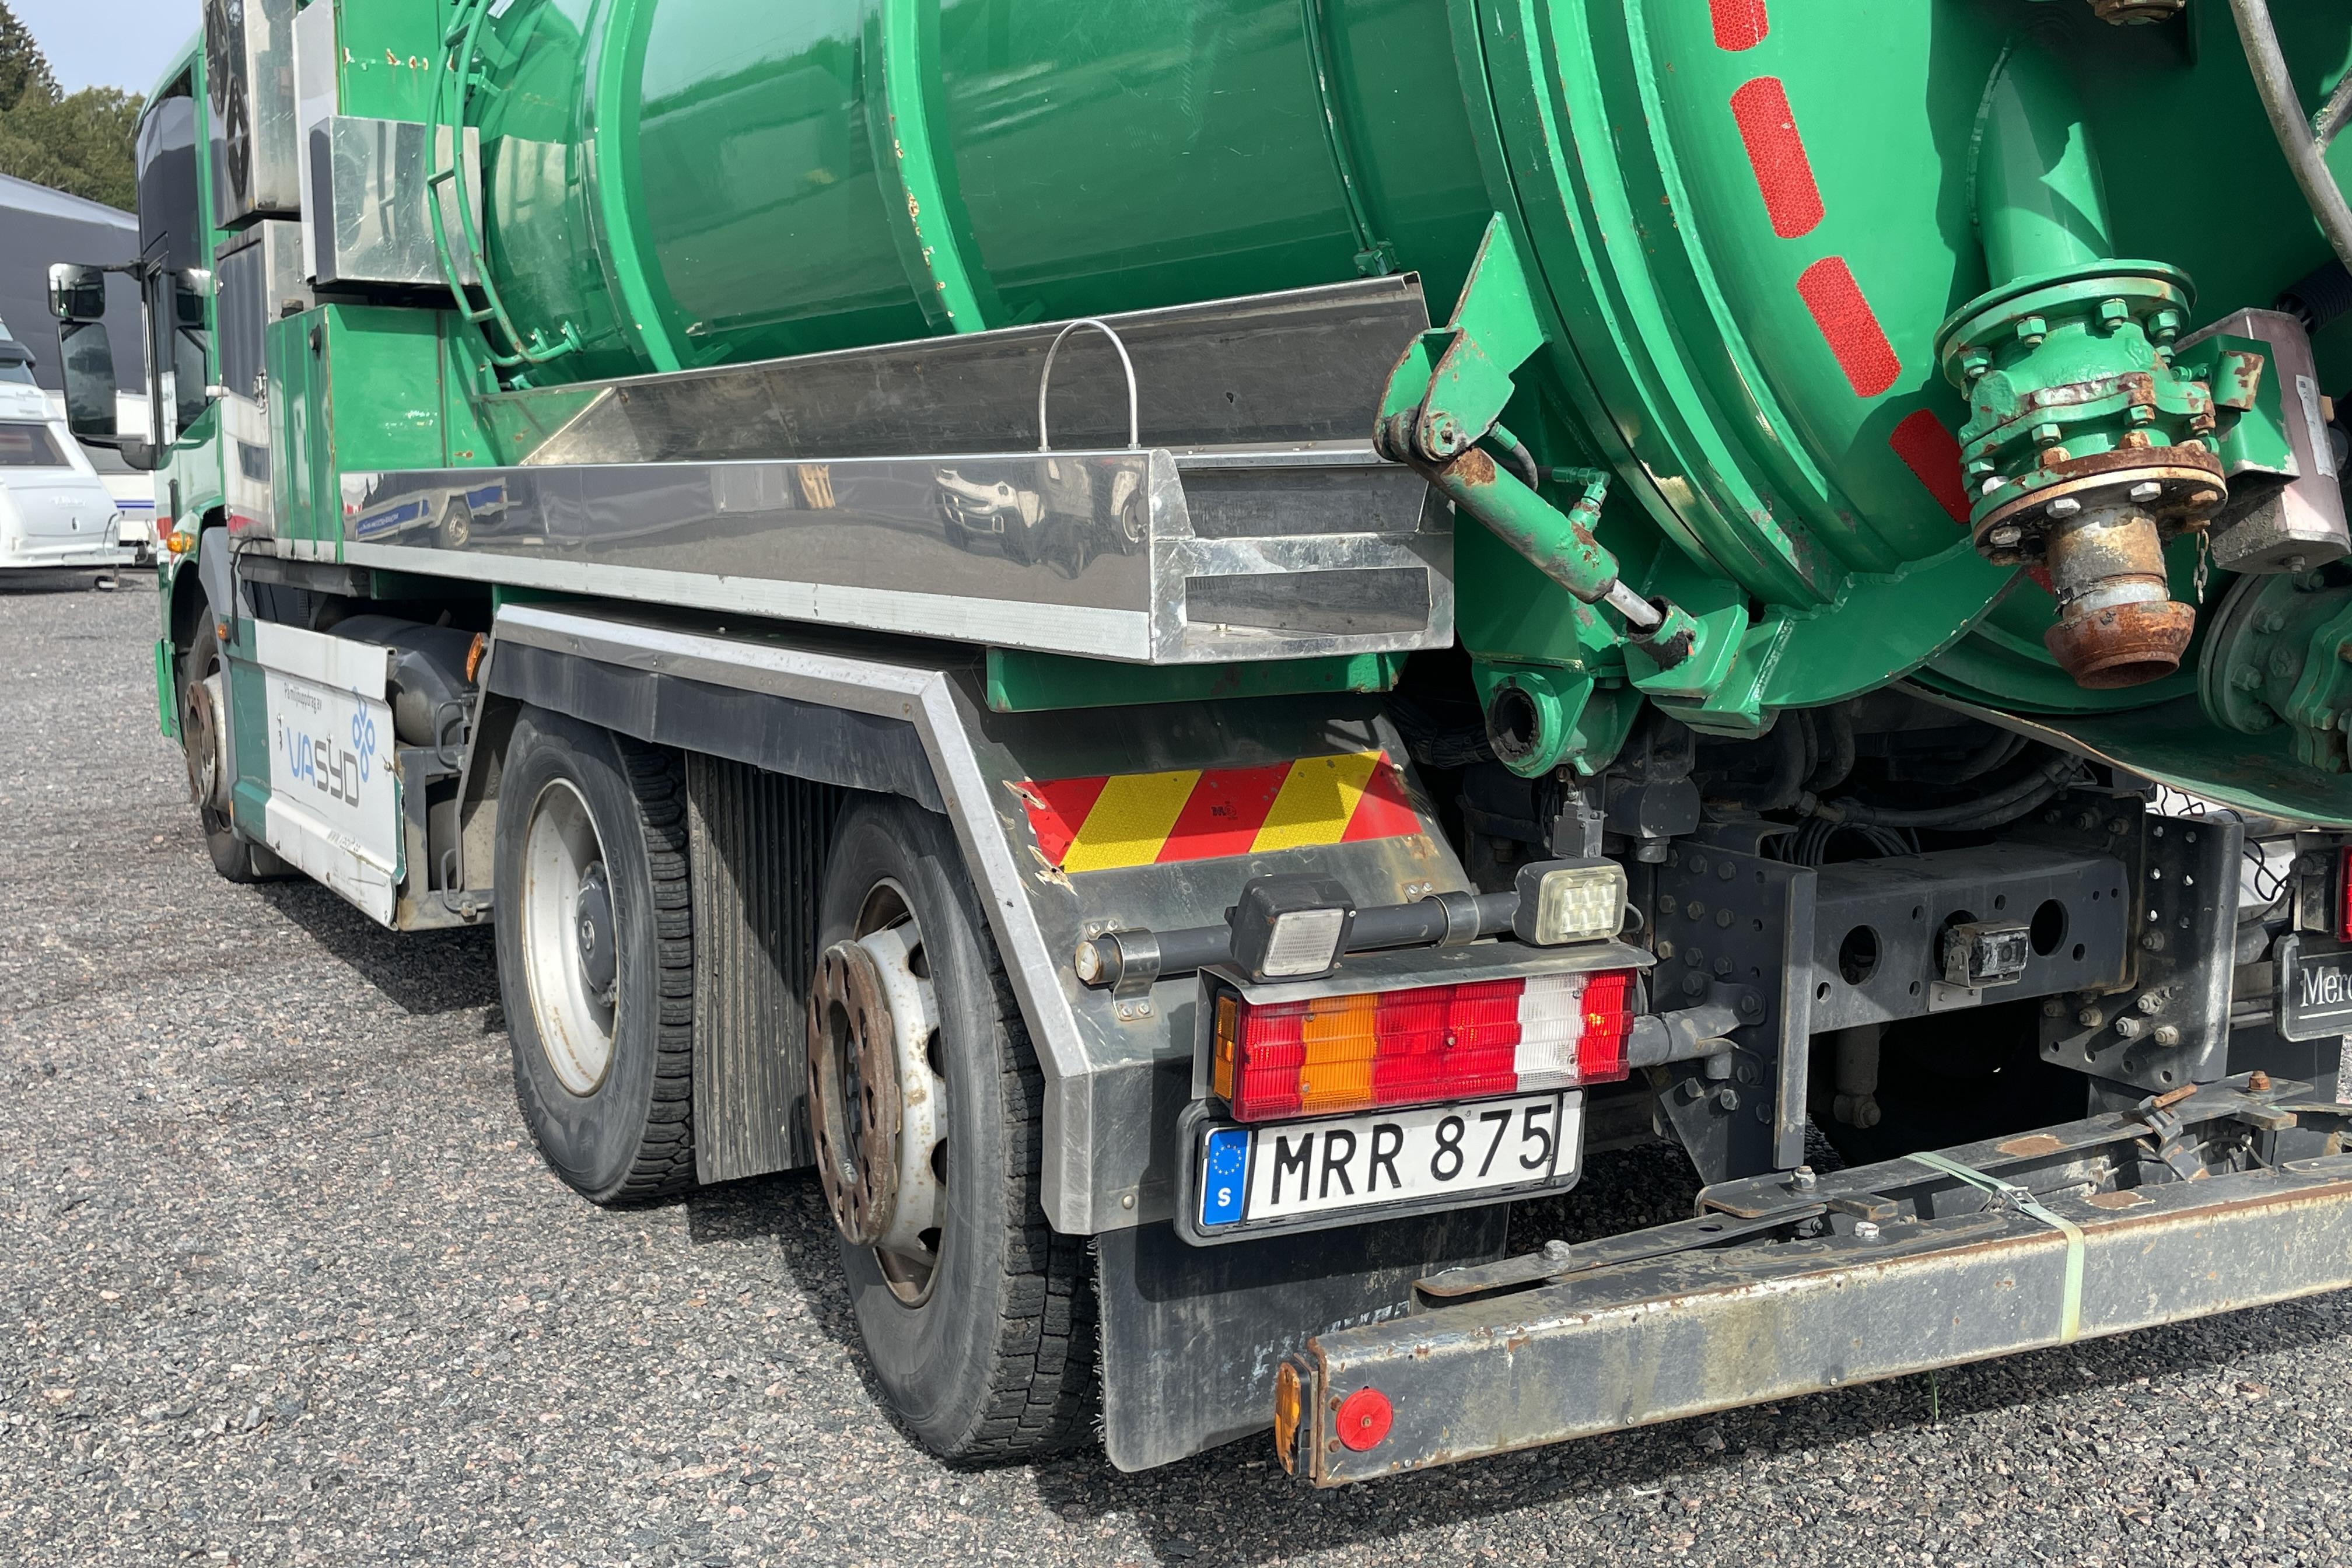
x=1225, y=1180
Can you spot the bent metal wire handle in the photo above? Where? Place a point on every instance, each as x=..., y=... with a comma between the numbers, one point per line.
x=1045, y=379
x=2304, y=142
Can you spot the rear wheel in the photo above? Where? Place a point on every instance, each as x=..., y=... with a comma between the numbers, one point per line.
x=202, y=703
x=925, y=1106
x=595, y=947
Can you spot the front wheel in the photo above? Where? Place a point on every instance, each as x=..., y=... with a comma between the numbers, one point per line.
x=924, y=1107
x=202, y=702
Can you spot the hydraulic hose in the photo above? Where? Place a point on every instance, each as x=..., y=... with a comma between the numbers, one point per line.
x=1835, y=731
x=1786, y=784
x=2005, y=804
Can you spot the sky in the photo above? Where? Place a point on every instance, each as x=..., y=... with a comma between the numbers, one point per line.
x=108, y=43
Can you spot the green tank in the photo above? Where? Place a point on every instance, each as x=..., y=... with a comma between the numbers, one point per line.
x=1880, y=322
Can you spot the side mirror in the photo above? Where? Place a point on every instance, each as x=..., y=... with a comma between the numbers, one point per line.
x=190, y=289
x=88, y=359
x=76, y=292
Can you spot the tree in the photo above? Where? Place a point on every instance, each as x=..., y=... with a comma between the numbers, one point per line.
x=23, y=68
x=77, y=142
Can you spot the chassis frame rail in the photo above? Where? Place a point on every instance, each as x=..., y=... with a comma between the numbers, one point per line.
x=2204, y=1201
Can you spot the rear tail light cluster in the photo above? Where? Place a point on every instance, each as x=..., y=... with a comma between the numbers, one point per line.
x=1414, y=1047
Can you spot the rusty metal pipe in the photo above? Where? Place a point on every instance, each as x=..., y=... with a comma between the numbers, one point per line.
x=2117, y=625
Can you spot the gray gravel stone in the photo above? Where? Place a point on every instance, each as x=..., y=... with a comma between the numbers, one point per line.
x=281, y=1281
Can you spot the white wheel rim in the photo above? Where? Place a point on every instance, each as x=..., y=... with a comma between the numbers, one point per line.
x=574, y=1022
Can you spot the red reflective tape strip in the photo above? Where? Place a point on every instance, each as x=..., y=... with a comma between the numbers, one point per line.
x=1057, y=810
x=1849, y=325
x=1383, y=812
x=1740, y=24
x=1933, y=453
x=1223, y=813
x=1792, y=200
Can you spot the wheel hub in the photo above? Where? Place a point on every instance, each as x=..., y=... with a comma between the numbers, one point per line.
x=204, y=741
x=592, y=924
x=877, y=1104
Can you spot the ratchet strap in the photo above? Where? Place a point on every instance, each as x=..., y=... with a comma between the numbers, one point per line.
x=2070, y=1321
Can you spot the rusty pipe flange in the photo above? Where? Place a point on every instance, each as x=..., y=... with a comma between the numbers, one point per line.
x=854, y=1092
x=2188, y=490
x=2122, y=645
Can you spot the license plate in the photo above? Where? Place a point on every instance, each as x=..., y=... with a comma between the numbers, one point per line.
x=1381, y=1159
x=2315, y=991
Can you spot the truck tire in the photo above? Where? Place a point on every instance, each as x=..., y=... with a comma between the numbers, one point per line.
x=595, y=946
x=990, y=1354
x=197, y=695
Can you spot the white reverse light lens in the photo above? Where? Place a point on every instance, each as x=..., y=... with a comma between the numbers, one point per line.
x=1303, y=942
x=1579, y=903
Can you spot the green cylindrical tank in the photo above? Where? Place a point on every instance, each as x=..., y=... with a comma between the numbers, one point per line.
x=1744, y=223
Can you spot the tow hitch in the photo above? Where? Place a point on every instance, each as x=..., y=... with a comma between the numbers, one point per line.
x=2203, y=1201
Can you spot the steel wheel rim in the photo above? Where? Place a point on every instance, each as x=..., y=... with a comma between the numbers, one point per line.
x=911, y=1274
x=574, y=1022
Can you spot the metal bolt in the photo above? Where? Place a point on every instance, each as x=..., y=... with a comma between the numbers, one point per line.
x=1728, y=1098
x=2247, y=680
x=2258, y=1082
x=1723, y=969
x=2129, y=1027
x=2152, y=1001
x=1751, y=1005
x=2145, y=492
x=1666, y=948
x=2047, y=434
x=1693, y=984
x=1692, y=1089
x=1723, y=917
x=2165, y=326
x=1127, y=1200
x=2031, y=330
x=2153, y=941
x=2114, y=313
x=2006, y=536
x=1802, y=1179
x=2066, y=507
x=2090, y=1017
x=2270, y=620
x=2053, y=1008
x=2166, y=1034
x=1555, y=1251
x=2140, y=414
x=2085, y=820
x=1866, y=1231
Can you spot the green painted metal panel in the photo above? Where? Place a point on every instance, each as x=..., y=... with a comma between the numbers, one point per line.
x=1022, y=683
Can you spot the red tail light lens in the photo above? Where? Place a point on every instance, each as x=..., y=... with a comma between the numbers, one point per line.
x=2344, y=897
x=1418, y=1047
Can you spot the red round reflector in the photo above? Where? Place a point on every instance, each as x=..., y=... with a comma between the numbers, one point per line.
x=1364, y=1417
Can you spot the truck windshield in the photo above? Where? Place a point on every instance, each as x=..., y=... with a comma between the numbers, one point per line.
x=28, y=447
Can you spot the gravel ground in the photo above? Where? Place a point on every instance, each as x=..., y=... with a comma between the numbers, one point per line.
x=282, y=1282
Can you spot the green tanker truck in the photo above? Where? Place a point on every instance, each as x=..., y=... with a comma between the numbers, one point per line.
x=1193, y=646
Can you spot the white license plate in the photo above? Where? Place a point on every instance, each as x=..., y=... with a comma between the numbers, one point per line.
x=1290, y=1170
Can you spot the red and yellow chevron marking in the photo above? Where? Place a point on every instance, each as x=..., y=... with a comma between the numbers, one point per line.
x=1196, y=813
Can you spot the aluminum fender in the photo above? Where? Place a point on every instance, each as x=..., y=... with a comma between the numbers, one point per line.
x=1114, y=1084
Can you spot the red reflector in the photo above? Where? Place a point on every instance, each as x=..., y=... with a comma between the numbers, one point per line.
x=1423, y=1045
x=1364, y=1418
x=2344, y=903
